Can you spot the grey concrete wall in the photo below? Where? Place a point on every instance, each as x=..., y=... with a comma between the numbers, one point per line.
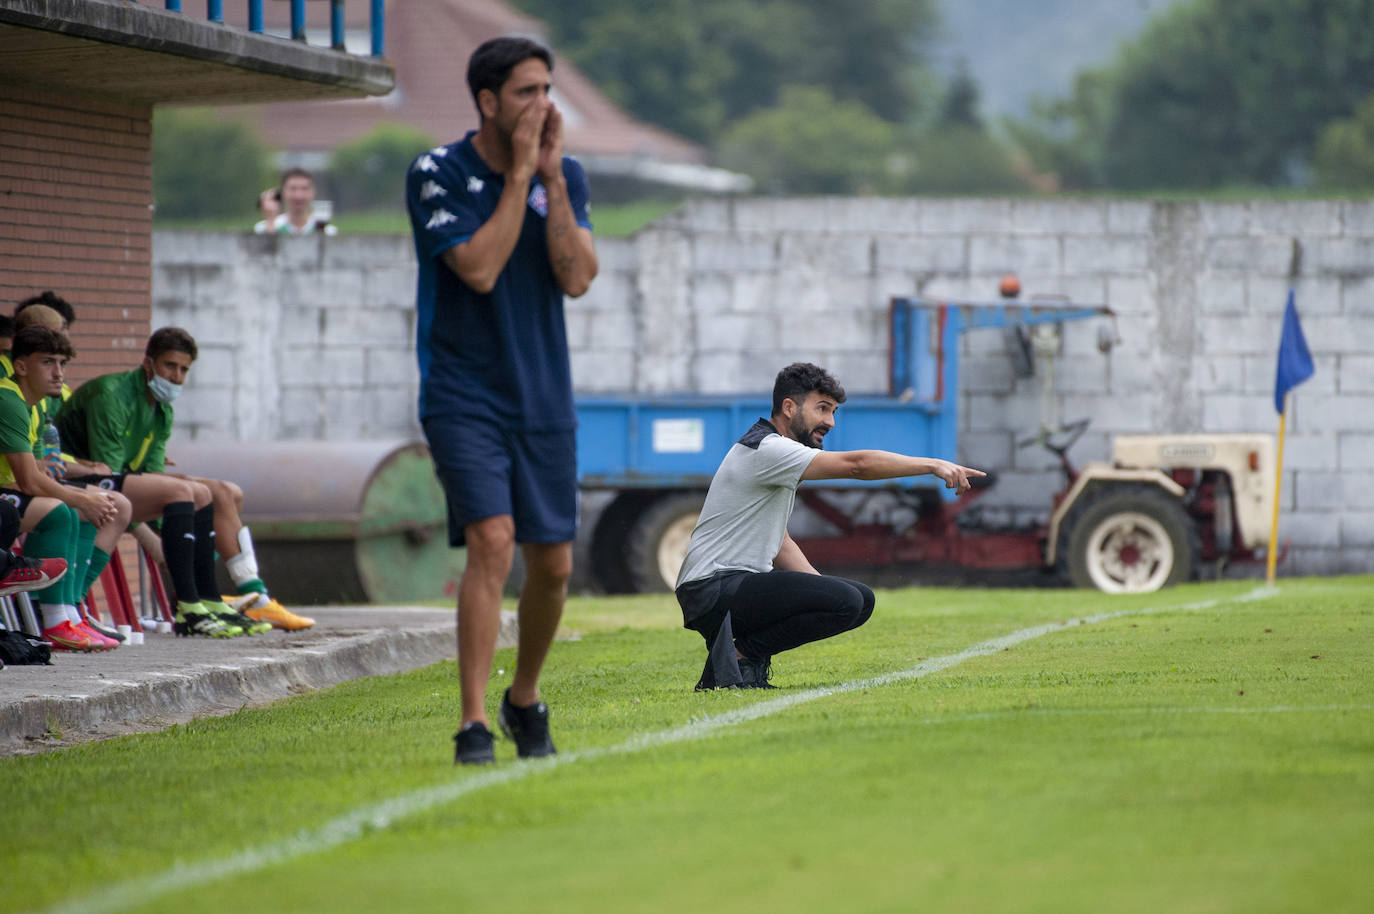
x=315, y=335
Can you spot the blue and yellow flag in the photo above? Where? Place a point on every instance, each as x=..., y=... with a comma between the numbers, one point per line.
x=1295, y=362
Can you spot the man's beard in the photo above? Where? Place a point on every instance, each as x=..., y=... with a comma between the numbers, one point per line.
x=805, y=435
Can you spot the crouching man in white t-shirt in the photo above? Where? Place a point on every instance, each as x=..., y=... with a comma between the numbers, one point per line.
x=745, y=585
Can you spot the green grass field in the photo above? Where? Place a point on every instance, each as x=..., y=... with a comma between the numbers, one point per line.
x=1210, y=749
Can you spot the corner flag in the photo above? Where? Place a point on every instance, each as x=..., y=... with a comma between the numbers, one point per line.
x=1295, y=361
x=1295, y=366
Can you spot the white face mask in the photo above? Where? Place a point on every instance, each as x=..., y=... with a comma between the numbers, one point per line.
x=164, y=391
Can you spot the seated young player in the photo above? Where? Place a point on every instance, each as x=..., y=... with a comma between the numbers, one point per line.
x=77, y=524
x=124, y=420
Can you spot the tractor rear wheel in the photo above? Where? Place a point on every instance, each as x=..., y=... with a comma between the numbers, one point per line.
x=658, y=542
x=1128, y=539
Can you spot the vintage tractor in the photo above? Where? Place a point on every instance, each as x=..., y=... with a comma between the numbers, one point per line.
x=1165, y=506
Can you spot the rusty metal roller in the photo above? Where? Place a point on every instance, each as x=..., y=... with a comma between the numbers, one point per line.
x=337, y=521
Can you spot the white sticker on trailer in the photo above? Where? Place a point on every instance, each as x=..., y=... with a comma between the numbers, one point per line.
x=679, y=436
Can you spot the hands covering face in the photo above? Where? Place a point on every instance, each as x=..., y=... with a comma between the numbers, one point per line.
x=537, y=141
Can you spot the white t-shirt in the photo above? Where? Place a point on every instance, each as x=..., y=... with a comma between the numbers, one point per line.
x=748, y=505
x=282, y=226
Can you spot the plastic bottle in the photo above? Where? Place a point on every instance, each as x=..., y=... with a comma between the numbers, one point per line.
x=52, y=442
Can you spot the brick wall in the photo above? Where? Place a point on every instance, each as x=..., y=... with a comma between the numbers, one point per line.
x=75, y=190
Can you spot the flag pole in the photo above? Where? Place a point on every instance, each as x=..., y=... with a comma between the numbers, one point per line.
x=1278, y=487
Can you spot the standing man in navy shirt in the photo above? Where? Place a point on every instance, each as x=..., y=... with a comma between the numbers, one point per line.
x=502, y=234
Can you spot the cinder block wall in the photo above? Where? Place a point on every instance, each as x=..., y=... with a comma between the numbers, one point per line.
x=75, y=191
x=313, y=337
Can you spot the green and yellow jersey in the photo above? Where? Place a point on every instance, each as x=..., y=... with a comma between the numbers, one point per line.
x=110, y=419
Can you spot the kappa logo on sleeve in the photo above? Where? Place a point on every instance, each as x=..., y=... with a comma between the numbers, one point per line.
x=440, y=217
x=426, y=163
x=539, y=200
x=431, y=189
x=475, y=185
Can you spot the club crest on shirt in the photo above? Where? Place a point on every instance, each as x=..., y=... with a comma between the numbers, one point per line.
x=539, y=200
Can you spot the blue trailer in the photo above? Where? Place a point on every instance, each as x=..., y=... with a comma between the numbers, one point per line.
x=1138, y=524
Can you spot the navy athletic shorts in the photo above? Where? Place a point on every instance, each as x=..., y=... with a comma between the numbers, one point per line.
x=488, y=471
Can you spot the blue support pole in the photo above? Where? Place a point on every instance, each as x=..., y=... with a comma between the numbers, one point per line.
x=298, y=20
x=255, y=16
x=336, y=24
x=174, y=6
x=214, y=10
x=378, y=28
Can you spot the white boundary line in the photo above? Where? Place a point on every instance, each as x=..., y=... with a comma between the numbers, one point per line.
x=378, y=816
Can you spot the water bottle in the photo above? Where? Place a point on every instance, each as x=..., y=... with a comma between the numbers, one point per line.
x=52, y=443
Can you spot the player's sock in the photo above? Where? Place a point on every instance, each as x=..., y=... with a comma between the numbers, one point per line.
x=53, y=614
x=206, y=586
x=179, y=549
x=54, y=537
x=85, y=546
x=99, y=559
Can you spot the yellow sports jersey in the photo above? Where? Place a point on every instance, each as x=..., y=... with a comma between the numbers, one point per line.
x=18, y=428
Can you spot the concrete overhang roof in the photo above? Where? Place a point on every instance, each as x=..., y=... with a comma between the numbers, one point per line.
x=142, y=53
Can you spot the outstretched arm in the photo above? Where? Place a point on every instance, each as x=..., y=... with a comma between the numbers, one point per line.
x=887, y=465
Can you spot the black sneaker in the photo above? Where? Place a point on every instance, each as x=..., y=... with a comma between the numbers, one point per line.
x=707, y=682
x=528, y=728
x=756, y=673
x=473, y=745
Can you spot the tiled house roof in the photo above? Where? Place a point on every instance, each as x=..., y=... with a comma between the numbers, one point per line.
x=429, y=42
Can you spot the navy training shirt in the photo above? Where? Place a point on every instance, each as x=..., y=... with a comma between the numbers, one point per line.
x=502, y=356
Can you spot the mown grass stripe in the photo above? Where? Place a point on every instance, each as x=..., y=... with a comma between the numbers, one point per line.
x=379, y=816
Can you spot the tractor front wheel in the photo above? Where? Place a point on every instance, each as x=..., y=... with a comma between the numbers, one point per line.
x=1128, y=539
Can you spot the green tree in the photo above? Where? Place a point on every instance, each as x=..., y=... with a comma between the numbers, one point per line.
x=362, y=173
x=1223, y=92
x=206, y=166
x=1064, y=137
x=962, y=160
x=812, y=143
x=960, y=108
x=695, y=66
x=1345, y=151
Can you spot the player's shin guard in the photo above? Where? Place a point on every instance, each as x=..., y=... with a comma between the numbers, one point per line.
x=243, y=568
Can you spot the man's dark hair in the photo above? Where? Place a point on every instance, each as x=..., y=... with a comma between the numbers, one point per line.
x=37, y=338
x=170, y=339
x=490, y=65
x=53, y=301
x=799, y=379
x=295, y=172
x=6, y=325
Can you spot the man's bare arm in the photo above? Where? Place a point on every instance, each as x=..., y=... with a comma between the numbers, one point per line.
x=887, y=465
x=791, y=558
x=480, y=260
x=572, y=254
